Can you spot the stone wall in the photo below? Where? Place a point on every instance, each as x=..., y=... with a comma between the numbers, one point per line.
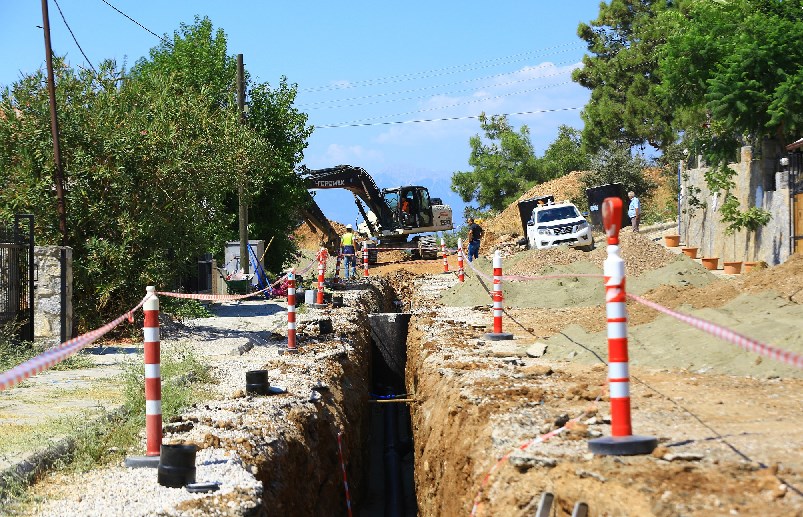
x=47, y=294
x=756, y=185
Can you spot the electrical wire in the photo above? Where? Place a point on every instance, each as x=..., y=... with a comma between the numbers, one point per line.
x=466, y=103
x=331, y=101
x=135, y=21
x=74, y=38
x=477, y=65
x=445, y=119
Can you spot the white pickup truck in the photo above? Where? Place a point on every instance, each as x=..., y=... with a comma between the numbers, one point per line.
x=553, y=224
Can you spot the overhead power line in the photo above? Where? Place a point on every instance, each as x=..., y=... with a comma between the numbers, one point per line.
x=74, y=38
x=447, y=70
x=446, y=119
x=133, y=20
x=326, y=103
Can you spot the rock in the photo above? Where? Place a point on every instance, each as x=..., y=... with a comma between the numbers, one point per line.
x=238, y=394
x=561, y=420
x=314, y=396
x=588, y=474
x=683, y=456
x=524, y=462
x=536, y=350
x=660, y=452
x=506, y=349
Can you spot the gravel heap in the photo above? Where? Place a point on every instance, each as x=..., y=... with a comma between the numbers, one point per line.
x=639, y=253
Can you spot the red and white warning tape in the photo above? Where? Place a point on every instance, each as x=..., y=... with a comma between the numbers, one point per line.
x=734, y=337
x=232, y=297
x=61, y=352
x=538, y=439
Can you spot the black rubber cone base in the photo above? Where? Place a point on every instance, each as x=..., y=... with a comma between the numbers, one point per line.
x=498, y=336
x=623, y=445
x=284, y=350
x=319, y=305
x=141, y=462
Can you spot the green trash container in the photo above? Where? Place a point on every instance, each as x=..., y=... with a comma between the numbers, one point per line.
x=237, y=286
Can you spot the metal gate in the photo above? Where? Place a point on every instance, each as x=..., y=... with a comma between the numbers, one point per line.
x=17, y=276
x=796, y=193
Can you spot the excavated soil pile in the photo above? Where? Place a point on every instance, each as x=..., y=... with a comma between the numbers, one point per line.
x=309, y=238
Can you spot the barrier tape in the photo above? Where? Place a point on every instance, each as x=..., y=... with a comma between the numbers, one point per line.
x=343, y=469
x=751, y=345
x=538, y=439
x=232, y=297
x=59, y=353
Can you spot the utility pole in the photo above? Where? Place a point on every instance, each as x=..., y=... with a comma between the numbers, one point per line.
x=244, y=259
x=61, y=207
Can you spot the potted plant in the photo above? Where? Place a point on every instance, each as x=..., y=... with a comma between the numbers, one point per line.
x=689, y=252
x=710, y=263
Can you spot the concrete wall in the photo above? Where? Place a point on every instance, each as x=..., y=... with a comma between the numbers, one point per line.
x=756, y=185
x=47, y=295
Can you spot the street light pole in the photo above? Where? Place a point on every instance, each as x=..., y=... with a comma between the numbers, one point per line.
x=243, y=212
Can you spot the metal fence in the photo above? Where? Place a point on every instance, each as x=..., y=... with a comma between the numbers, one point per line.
x=17, y=276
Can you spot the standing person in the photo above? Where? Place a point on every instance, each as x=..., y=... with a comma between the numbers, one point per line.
x=347, y=250
x=474, y=235
x=634, y=210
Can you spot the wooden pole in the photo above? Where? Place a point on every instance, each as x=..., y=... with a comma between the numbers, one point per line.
x=61, y=207
x=243, y=212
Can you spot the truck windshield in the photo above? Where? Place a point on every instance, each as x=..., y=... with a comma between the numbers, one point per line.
x=557, y=213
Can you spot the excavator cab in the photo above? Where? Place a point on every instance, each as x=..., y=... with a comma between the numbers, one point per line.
x=411, y=206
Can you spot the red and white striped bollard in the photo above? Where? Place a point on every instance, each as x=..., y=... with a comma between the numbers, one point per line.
x=498, y=299
x=622, y=442
x=461, y=273
x=153, y=374
x=291, y=312
x=365, y=258
x=321, y=272
x=337, y=267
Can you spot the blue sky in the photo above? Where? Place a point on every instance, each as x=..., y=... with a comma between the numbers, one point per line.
x=379, y=65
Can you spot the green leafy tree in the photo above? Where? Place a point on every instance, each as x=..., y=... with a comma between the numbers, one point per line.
x=735, y=70
x=621, y=70
x=152, y=162
x=566, y=154
x=197, y=56
x=618, y=165
x=504, y=165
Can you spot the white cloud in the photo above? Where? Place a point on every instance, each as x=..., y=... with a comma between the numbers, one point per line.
x=337, y=154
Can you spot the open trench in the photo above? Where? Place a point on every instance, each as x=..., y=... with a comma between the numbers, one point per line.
x=348, y=382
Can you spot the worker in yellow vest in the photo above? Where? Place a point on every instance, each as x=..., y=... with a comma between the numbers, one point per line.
x=347, y=250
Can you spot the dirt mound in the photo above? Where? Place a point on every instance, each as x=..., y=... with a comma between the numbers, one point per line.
x=639, y=253
x=785, y=279
x=509, y=221
x=309, y=238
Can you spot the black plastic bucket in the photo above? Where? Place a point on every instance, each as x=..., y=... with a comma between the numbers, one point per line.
x=176, y=465
x=256, y=382
x=337, y=300
x=325, y=326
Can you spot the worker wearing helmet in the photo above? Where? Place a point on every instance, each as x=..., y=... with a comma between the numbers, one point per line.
x=347, y=250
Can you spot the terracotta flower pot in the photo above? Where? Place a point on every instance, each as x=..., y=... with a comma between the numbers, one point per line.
x=710, y=263
x=689, y=252
x=732, y=268
x=748, y=266
x=672, y=241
